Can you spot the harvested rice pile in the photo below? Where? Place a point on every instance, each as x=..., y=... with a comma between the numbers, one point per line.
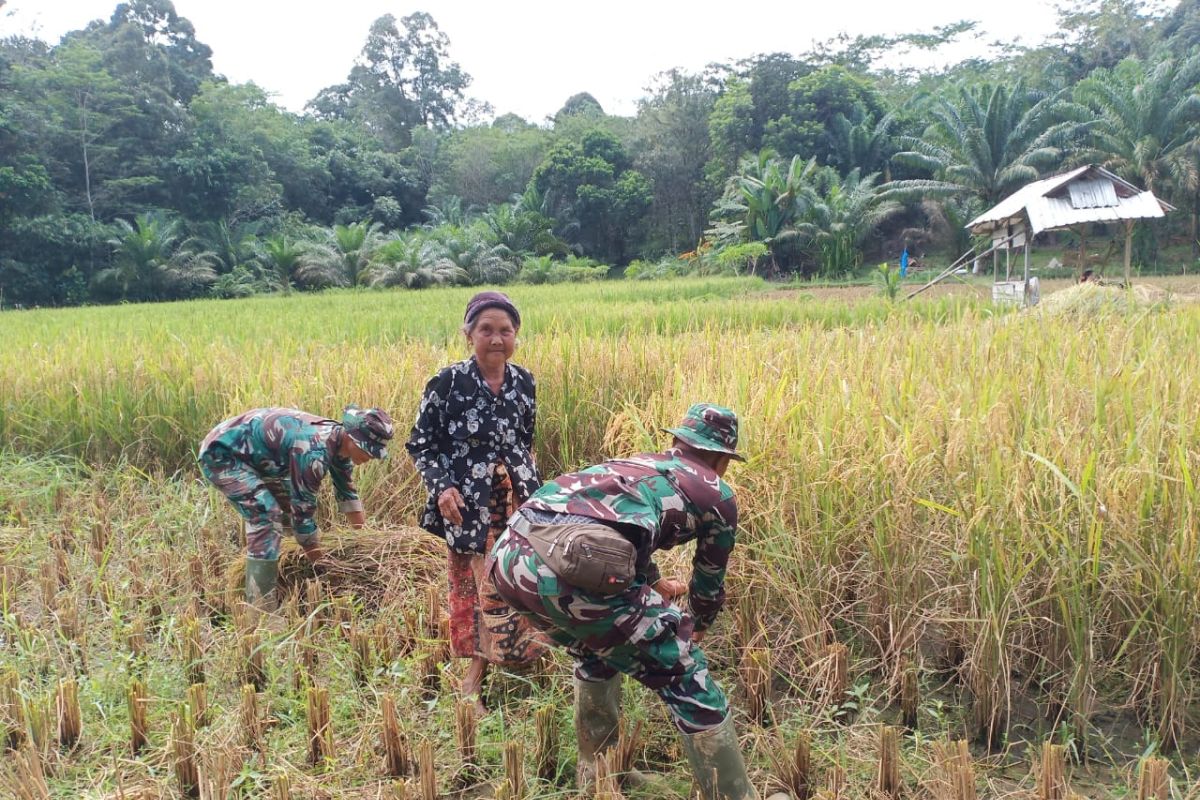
x=378, y=566
x=1093, y=299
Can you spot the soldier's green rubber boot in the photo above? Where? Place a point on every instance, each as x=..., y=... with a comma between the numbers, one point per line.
x=597, y=726
x=262, y=578
x=716, y=761
x=597, y=723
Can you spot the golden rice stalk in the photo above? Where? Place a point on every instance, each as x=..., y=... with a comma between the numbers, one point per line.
x=343, y=614
x=909, y=697
x=62, y=568
x=12, y=711
x=401, y=790
x=67, y=612
x=796, y=772
x=193, y=650
x=465, y=730
x=954, y=775
x=835, y=782
x=320, y=726
x=888, y=776
x=184, y=753
x=70, y=715
x=512, y=787
x=837, y=673
x=360, y=647
x=135, y=639
x=608, y=783
x=38, y=716
x=406, y=641
x=27, y=778
x=628, y=742
x=314, y=602
x=217, y=770
x=138, y=729
x=755, y=671
x=254, y=668
x=197, y=703
x=281, y=786
x=433, y=612
x=385, y=643
x=1153, y=780
x=251, y=720
x=101, y=535
x=545, y=753
x=1052, y=776
x=397, y=758
x=425, y=767
x=48, y=581
x=431, y=670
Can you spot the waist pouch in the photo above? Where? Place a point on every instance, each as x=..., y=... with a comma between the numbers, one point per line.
x=591, y=557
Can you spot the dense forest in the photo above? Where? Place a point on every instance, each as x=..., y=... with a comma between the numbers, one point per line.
x=129, y=170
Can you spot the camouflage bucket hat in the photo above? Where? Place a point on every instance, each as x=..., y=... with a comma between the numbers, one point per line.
x=711, y=427
x=370, y=428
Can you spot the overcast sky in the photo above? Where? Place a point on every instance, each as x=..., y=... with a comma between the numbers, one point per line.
x=528, y=56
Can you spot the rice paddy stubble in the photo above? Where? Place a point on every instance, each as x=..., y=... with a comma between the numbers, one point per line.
x=1010, y=498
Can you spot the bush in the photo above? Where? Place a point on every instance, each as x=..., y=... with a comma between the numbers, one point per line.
x=544, y=269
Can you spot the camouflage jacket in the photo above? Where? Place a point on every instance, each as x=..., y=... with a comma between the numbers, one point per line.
x=669, y=500
x=293, y=448
x=462, y=431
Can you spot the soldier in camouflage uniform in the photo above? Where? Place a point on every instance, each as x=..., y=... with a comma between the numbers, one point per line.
x=656, y=501
x=270, y=462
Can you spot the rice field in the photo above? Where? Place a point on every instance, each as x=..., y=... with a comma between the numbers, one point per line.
x=959, y=525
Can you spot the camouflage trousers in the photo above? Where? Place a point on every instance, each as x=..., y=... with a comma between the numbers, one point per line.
x=263, y=504
x=638, y=633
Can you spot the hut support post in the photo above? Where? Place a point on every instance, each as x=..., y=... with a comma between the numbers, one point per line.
x=1128, y=249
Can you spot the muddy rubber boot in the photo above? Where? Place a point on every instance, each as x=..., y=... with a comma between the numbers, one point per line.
x=597, y=726
x=717, y=765
x=597, y=722
x=262, y=596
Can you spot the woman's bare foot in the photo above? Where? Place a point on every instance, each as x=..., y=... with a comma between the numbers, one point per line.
x=472, y=685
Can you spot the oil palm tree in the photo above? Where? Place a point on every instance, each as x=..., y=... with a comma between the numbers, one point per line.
x=1147, y=120
x=152, y=261
x=842, y=214
x=412, y=262
x=282, y=257
x=988, y=141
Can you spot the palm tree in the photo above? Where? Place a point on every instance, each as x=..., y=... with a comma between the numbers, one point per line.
x=764, y=201
x=412, y=262
x=472, y=251
x=521, y=231
x=865, y=143
x=987, y=142
x=282, y=257
x=149, y=257
x=1147, y=120
x=344, y=260
x=841, y=217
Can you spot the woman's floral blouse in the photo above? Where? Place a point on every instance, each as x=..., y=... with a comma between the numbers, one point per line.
x=462, y=431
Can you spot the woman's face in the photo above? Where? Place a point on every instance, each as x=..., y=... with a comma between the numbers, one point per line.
x=494, y=337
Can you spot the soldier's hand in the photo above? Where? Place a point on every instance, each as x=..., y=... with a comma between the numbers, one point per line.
x=671, y=588
x=358, y=519
x=698, y=636
x=451, y=504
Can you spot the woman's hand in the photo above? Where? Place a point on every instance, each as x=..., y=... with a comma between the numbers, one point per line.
x=451, y=504
x=670, y=588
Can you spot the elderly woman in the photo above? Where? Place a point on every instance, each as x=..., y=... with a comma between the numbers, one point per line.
x=473, y=445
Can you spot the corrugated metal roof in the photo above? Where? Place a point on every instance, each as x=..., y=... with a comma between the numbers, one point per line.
x=1092, y=193
x=1046, y=213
